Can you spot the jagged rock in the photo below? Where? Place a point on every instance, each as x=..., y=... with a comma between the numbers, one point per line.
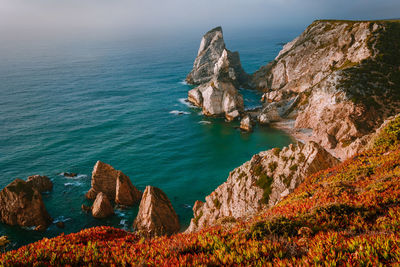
x=21, y=204
x=102, y=207
x=126, y=194
x=41, y=183
x=69, y=174
x=116, y=185
x=232, y=115
x=216, y=98
x=4, y=241
x=261, y=182
x=246, y=124
x=156, y=215
x=214, y=60
x=344, y=75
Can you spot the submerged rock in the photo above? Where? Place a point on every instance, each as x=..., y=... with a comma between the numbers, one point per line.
x=261, y=182
x=21, y=204
x=115, y=184
x=41, y=183
x=102, y=207
x=156, y=215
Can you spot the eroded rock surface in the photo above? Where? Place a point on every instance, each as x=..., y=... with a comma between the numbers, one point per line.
x=261, y=182
x=41, y=183
x=156, y=215
x=21, y=204
x=102, y=207
x=218, y=74
x=345, y=76
x=115, y=184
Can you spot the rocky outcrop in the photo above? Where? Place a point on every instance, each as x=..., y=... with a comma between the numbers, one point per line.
x=156, y=215
x=21, y=204
x=102, y=207
x=261, y=182
x=215, y=61
x=246, y=124
x=4, y=241
x=40, y=183
x=343, y=76
x=219, y=74
x=115, y=184
x=217, y=98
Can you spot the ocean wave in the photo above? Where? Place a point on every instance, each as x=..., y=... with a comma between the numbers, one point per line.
x=73, y=184
x=61, y=219
x=179, y=112
x=205, y=122
x=185, y=102
x=77, y=176
x=120, y=213
x=183, y=82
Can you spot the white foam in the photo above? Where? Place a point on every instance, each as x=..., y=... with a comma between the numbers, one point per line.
x=120, y=213
x=205, y=122
x=183, y=82
x=185, y=102
x=179, y=112
x=73, y=184
x=78, y=176
x=61, y=219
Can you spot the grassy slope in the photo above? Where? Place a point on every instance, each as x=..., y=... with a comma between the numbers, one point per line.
x=349, y=214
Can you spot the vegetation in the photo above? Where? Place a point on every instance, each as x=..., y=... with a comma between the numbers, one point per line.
x=348, y=215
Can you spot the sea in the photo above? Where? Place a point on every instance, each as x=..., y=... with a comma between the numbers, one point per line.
x=67, y=103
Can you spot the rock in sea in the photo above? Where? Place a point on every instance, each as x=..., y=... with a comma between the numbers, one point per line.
x=21, y=204
x=102, y=207
x=156, y=215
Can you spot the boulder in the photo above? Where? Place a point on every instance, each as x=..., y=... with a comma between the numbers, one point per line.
x=41, y=183
x=246, y=124
x=214, y=60
x=216, y=98
x=4, y=241
x=156, y=215
x=102, y=207
x=232, y=115
x=126, y=194
x=261, y=183
x=115, y=184
x=21, y=204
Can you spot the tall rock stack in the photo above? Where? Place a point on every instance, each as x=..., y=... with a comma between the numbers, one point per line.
x=218, y=74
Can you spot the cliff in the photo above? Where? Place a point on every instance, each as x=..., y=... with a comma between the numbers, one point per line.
x=339, y=78
x=260, y=183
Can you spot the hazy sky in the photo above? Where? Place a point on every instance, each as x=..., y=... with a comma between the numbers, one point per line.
x=68, y=17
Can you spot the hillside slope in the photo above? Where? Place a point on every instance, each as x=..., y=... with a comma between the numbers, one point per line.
x=345, y=215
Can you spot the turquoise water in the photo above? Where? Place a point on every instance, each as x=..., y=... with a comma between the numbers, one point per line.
x=65, y=105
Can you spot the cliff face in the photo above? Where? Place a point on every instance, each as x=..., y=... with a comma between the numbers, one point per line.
x=260, y=183
x=342, y=79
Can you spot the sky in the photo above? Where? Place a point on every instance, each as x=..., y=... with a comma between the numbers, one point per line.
x=40, y=18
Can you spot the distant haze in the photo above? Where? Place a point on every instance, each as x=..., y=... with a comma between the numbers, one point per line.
x=41, y=18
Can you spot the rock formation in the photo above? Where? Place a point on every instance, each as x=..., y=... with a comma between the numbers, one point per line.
x=21, y=204
x=156, y=215
x=261, y=182
x=116, y=185
x=338, y=78
x=217, y=98
x=246, y=124
x=41, y=183
x=102, y=207
x=4, y=241
x=219, y=74
x=215, y=61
